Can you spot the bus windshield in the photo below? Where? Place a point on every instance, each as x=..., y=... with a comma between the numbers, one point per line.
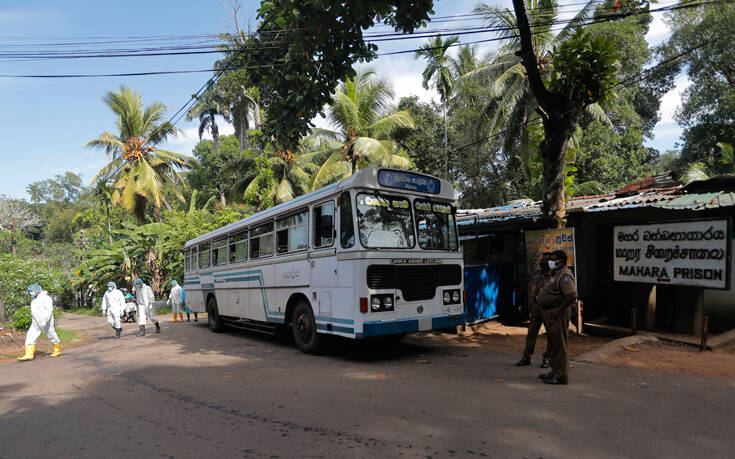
x=385, y=221
x=435, y=225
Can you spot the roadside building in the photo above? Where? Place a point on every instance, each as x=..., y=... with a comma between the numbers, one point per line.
x=615, y=290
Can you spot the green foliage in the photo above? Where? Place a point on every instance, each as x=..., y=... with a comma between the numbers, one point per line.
x=328, y=44
x=220, y=172
x=260, y=193
x=24, y=246
x=708, y=104
x=16, y=274
x=612, y=157
x=584, y=67
x=22, y=317
x=424, y=143
x=728, y=156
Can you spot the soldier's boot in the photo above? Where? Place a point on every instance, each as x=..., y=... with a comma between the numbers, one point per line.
x=142, y=330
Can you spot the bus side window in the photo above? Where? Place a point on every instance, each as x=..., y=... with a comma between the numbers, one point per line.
x=238, y=247
x=204, y=255
x=187, y=260
x=261, y=241
x=324, y=225
x=346, y=225
x=219, y=252
x=292, y=232
x=194, y=259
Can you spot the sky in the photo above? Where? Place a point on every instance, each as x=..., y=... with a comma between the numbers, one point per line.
x=45, y=123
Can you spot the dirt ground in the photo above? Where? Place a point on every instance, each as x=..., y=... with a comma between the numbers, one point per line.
x=662, y=356
x=668, y=357
x=12, y=343
x=511, y=340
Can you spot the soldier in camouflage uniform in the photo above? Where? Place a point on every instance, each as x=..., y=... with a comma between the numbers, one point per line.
x=537, y=316
x=556, y=298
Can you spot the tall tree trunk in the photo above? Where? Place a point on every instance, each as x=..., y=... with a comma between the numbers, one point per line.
x=13, y=229
x=446, y=145
x=109, y=226
x=215, y=131
x=242, y=131
x=256, y=109
x=3, y=315
x=222, y=198
x=559, y=114
x=139, y=209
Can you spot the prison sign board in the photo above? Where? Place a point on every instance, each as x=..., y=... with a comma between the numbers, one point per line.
x=682, y=253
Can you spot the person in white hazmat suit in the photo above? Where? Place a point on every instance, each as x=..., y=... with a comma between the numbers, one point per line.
x=175, y=301
x=113, y=304
x=42, y=320
x=144, y=297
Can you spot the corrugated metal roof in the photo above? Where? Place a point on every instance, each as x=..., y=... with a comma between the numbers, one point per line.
x=665, y=198
x=699, y=201
x=530, y=210
x=647, y=198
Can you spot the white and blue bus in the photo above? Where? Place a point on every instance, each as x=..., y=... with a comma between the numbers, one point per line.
x=375, y=254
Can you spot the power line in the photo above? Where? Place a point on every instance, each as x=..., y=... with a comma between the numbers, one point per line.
x=244, y=47
x=198, y=48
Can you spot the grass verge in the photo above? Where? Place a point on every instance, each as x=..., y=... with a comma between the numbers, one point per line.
x=15, y=349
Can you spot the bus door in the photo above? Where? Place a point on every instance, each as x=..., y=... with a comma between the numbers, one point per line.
x=323, y=258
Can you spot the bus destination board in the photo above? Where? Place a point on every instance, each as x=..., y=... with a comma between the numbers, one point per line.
x=409, y=181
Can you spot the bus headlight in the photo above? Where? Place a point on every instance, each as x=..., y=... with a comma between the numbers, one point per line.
x=388, y=303
x=455, y=296
x=375, y=304
x=447, y=297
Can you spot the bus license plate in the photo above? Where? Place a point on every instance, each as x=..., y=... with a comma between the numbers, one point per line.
x=452, y=308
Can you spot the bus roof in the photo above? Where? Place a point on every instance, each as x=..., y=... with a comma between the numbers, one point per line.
x=372, y=177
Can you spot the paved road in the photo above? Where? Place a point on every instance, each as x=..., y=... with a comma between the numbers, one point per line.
x=188, y=392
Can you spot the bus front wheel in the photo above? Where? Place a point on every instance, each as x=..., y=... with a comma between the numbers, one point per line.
x=304, y=331
x=213, y=318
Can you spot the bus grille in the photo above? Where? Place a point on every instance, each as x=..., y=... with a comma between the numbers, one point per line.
x=416, y=283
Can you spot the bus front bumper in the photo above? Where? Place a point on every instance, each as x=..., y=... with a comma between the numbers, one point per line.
x=370, y=329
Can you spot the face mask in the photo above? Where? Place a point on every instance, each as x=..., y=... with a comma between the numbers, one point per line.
x=109, y=289
x=33, y=294
x=553, y=264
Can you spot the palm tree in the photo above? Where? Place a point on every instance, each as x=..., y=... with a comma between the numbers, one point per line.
x=281, y=177
x=207, y=108
x=512, y=107
x=137, y=170
x=362, y=118
x=102, y=193
x=438, y=69
x=36, y=192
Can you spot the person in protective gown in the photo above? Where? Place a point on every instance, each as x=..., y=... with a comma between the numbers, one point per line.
x=42, y=320
x=144, y=297
x=175, y=301
x=113, y=304
x=186, y=307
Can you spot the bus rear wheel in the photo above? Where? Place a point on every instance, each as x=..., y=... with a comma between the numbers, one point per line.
x=213, y=318
x=304, y=331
